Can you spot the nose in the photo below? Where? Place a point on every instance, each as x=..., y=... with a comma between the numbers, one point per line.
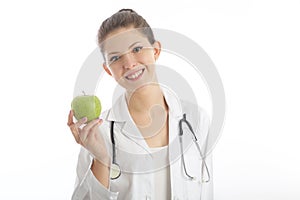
x=129, y=61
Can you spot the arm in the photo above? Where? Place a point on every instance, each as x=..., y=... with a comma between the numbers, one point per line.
x=92, y=180
x=101, y=172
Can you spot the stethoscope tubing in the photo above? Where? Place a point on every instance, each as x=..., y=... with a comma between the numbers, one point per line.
x=184, y=120
x=115, y=168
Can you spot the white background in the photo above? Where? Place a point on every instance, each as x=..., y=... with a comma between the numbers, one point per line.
x=254, y=44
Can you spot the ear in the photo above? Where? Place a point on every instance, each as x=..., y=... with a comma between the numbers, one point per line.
x=157, y=49
x=106, y=69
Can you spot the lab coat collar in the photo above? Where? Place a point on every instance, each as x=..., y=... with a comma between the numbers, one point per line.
x=120, y=114
x=119, y=111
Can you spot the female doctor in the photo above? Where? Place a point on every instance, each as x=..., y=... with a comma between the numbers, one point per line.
x=149, y=145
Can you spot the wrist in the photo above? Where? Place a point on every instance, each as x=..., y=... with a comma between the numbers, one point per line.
x=103, y=163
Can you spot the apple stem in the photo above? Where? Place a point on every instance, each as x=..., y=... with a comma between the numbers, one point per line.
x=83, y=92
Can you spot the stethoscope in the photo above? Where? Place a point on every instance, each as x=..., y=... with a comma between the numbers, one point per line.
x=115, y=171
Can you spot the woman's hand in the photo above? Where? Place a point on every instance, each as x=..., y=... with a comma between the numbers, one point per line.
x=89, y=137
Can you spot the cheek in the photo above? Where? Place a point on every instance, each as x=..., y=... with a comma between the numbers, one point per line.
x=148, y=57
x=149, y=60
x=115, y=74
x=115, y=71
x=117, y=77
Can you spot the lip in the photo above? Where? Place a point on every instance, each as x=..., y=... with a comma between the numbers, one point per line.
x=131, y=73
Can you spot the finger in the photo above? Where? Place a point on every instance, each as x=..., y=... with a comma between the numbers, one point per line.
x=92, y=132
x=73, y=127
x=81, y=121
x=84, y=134
x=94, y=128
x=75, y=132
x=90, y=125
x=70, y=118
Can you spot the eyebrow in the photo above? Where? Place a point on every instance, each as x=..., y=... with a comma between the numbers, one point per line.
x=115, y=52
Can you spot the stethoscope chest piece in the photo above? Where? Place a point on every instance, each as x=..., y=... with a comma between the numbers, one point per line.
x=115, y=171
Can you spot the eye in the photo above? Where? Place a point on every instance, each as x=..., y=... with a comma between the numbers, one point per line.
x=114, y=58
x=137, y=49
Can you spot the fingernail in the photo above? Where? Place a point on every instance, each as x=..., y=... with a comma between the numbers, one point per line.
x=84, y=119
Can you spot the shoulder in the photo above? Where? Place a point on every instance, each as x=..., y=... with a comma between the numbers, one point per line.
x=194, y=111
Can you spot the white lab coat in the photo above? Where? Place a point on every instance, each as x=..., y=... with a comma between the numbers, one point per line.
x=139, y=186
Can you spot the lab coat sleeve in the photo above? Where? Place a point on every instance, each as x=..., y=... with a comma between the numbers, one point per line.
x=87, y=187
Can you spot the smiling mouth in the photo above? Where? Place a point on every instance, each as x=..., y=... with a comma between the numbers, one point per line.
x=136, y=75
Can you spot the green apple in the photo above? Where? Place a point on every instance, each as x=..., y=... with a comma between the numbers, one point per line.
x=86, y=106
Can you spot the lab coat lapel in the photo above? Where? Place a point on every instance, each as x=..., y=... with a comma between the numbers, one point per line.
x=175, y=113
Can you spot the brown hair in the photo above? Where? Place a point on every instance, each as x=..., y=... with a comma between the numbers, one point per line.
x=123, y=19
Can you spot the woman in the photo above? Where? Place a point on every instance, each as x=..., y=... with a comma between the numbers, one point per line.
x=144, y=125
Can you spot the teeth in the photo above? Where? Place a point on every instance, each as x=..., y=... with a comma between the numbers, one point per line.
x=136, y=74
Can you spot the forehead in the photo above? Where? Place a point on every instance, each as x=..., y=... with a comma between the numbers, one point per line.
x=121, y=39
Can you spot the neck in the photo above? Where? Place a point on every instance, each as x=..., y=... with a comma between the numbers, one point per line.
x=144, y=98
